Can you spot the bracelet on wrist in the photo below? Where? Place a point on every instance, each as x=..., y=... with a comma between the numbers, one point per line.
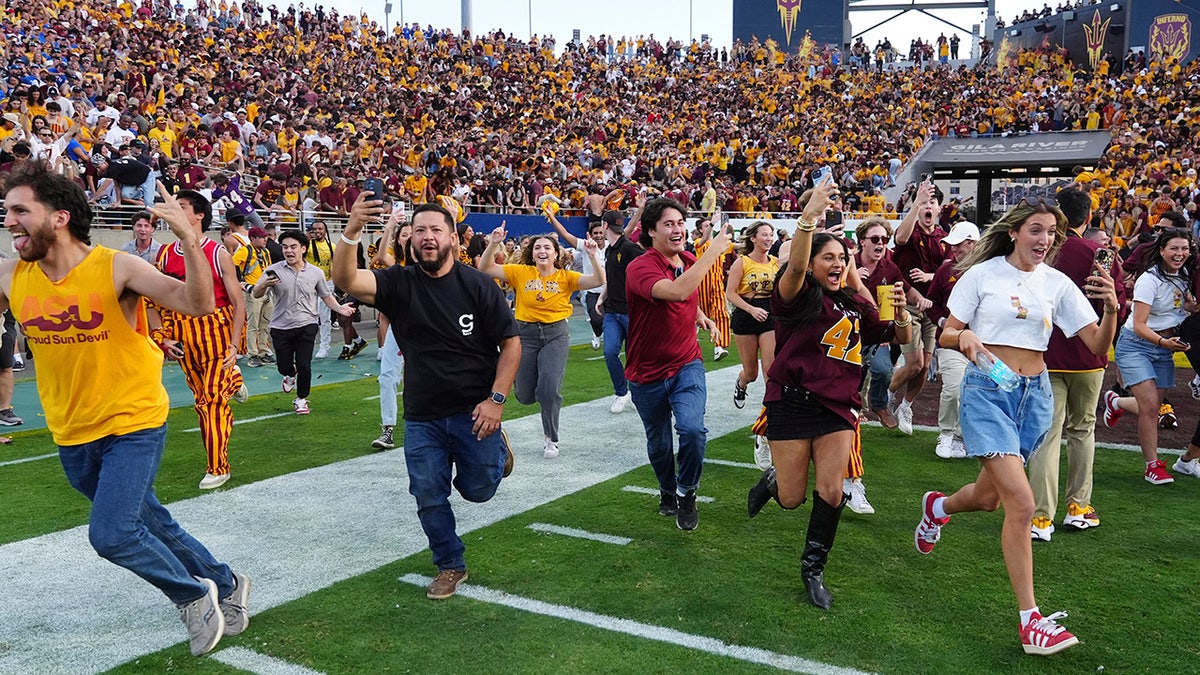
x=904, y=323
x=803, y=225
x=1114, y=310
x=352, y=242
x=1160, y=341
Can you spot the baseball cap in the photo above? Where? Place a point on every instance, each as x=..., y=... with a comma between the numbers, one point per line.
x=613, y=220
x=12, y=117
x=228, y=115
x=257, y=232
x=962, y=232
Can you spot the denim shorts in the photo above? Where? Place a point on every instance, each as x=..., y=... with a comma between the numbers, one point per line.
x=998, y=422
x=1140, y=360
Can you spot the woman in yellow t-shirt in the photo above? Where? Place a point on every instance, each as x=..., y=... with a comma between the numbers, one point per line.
x=748, y=288
x=542, y=291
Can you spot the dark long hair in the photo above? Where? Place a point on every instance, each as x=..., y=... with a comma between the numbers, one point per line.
x=812, y=294
x=1154, y=261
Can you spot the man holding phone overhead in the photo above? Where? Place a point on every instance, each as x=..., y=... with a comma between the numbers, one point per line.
x=665, y=368
x=919, y=253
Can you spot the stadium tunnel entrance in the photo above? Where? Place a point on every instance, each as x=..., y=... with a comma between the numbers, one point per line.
x=985, y=159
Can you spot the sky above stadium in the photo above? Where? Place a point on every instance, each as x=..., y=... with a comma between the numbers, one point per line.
x=663, y=18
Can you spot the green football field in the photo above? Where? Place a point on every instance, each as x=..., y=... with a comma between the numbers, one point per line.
x=572, y=569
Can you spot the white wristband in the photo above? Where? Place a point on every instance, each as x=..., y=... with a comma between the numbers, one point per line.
x=352, y=242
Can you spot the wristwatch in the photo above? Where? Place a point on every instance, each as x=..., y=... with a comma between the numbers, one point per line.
x=498, y=398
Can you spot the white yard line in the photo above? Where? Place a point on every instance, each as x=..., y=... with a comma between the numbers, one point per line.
x=655, y=491
x=579, y=534
x=66, y=610
x=644, y=630
x=260, y=664
x=739, y=465
x=248, y=420
x=28, y=459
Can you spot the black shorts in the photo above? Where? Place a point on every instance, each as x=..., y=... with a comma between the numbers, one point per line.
x=799, y=415
x=741, y=323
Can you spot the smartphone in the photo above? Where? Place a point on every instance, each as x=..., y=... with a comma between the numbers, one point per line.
x=823, y=174
x=397, y=206
x=834, y=219
x=271, y=274
x=375, y=187
x=1104, y=259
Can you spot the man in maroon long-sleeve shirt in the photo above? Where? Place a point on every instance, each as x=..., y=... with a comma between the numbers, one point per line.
x=1076, y=376
x=919, y=253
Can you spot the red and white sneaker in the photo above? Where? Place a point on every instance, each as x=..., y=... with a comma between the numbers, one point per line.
x=929, y=530
x=1112, y=414
x=1156, y=473
x=1043, y=636
x=301, y=406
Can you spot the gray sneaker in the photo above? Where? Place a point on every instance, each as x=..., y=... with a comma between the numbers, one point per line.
x=254, y=362
x=237, y=617
x=385, y=441
x=9, y=419
x=204, y=620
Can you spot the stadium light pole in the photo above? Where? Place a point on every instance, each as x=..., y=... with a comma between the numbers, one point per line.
x=691, y=11
x=530, y=19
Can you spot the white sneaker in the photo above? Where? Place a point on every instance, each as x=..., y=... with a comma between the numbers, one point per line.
x=619, y=403
x=379, y=353
x=595, y=342
x=289, y=384
x=1189, y=468
x=243, y=393
x=719, y=353
x=1041, y=528
x=321, y=353
x=904, y=417
x=1195, y=386
x=211, y=481
x=958, y=449
x=858, y=497
x=301, y=406
x=550, y=451
x=893, y=400
x=762, y=452
x=945, y=446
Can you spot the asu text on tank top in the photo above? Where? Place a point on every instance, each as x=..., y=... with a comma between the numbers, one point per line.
x=101, y=376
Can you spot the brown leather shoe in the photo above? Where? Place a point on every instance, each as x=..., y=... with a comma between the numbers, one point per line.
x=445, y=584
x=886, y=418
x=508, y=454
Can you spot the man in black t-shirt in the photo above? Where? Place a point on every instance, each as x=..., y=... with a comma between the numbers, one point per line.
x=619, y=252
x=461, y=349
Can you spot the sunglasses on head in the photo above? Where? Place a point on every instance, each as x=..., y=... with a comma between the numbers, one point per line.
x=1172, y=232
x=1041, y=201
x=878, y=238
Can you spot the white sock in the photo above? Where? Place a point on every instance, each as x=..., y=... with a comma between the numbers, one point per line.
x=939, y=508
x=1027, y=616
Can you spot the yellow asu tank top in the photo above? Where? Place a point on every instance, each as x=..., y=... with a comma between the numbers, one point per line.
x=97, y=375
x=758, y=278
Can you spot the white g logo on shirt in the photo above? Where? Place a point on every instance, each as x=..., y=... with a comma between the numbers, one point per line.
x=467, y=321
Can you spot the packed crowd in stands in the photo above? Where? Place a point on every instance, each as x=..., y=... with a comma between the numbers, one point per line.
x=301, y=106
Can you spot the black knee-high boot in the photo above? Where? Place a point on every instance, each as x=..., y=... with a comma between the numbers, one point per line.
x=764, y=491
x=822, y=528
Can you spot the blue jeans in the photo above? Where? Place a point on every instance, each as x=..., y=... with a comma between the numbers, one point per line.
x=685, y=395
x=881, y=376
x=431, y=448
x=616, y=329
x=128, y=526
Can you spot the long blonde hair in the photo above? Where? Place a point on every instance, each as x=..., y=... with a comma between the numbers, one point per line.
x=998, y=239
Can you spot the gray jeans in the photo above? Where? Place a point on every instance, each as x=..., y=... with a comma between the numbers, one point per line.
x=544, y=348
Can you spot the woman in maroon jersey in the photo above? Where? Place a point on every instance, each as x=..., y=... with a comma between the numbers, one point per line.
x=812, y=394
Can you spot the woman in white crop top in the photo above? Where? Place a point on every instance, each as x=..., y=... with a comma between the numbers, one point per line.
x=1004, y=307
x=1162, y=299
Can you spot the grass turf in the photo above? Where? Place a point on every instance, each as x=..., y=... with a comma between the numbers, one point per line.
x=1127, y=584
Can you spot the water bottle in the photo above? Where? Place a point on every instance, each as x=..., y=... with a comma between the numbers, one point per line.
x=996, y=369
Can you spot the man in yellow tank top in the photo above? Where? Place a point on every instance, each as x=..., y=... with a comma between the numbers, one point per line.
x=81, y=308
